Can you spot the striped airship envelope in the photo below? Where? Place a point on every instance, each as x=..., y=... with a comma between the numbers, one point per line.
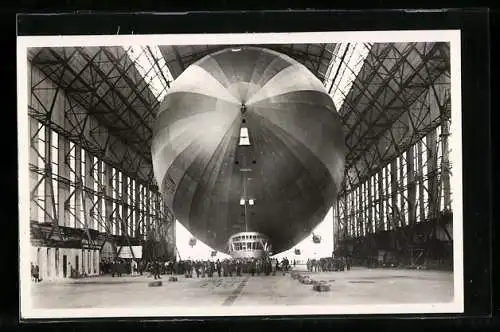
x=248, y=139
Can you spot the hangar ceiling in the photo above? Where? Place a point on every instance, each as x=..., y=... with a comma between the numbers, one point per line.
x=389, y=106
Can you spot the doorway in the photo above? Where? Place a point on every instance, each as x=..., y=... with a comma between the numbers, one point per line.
x=65, y=266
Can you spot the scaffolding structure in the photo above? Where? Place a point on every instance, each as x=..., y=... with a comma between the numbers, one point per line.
x=92, y=182
x=396, y=193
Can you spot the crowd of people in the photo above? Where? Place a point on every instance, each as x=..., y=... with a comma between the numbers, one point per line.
x=198, y=268
x=327, y=264
x=117, y=267
x=219, y=268
x=206, y=268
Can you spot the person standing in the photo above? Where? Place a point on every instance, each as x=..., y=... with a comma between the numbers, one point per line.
x=32, y=272
x=225, y=268
x=37, y=273
x=268, y=266
x=133, y=268
x=218, y=267
x=203, y=268
x=157, y=270
x=197, y=268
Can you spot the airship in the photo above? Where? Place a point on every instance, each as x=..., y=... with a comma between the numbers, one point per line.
x=248, y=142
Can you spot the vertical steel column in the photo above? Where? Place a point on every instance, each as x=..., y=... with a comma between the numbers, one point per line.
x=445, y=160
x=335, y=227
x=432, y=179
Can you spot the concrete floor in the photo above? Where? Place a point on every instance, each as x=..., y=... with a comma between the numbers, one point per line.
x=357, y=286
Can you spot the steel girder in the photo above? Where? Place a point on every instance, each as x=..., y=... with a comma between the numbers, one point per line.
x=406, y=132
x=84, y=126
x=101, y=82
x=372, y=118
x=79, y=126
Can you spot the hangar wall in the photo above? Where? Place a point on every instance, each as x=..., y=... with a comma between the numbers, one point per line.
x=84, y=189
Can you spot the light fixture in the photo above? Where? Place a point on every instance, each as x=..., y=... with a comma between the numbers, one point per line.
x=236, y=49
x=242, y=201
x=251, y=201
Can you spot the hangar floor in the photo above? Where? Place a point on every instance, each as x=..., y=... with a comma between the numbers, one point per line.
x=357, y=286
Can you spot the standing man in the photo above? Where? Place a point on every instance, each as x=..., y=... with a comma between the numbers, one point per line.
x=218, y=267
x=37, y=273
x=238, y=268
x=203, y=268
x=225, y=272
x=230, y=268
x=197, y=268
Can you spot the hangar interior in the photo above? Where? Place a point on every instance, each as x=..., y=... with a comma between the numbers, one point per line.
x=93, y=193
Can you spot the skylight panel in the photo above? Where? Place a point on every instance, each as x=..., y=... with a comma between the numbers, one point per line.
x=150, y=63
x=344, y=69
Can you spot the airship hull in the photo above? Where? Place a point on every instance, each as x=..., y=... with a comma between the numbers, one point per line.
x=291, y=165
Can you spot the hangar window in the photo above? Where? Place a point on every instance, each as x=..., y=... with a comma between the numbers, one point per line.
x=39, y=147
x=385, y=190
x=54, y=156
x=72, y=179
x=151, y=65
x=344, y=69
x=425, y=175
x=102, y=210
x=83, y=169
x=94, y=209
